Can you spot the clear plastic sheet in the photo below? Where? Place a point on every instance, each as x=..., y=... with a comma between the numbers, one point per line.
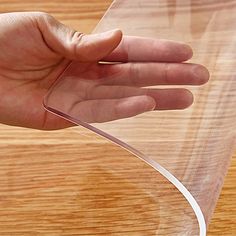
x=190, y=149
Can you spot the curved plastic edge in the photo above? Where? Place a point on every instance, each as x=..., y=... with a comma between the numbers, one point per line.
x=104, y=15
x=182, y=189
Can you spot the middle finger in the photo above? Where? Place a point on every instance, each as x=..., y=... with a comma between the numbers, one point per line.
x=151, y=74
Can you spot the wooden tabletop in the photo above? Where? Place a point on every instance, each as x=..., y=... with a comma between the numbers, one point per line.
x=36, y=167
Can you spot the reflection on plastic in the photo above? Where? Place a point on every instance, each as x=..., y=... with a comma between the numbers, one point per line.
x=194, y=145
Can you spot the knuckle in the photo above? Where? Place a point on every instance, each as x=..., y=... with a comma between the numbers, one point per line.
x=76, y=36
x=78, y=44
x=76, y=39
x=44, y=17
x=134, y=74
x=166, y=74
x=117, y=110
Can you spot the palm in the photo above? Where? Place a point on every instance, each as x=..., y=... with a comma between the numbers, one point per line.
x=27, y=69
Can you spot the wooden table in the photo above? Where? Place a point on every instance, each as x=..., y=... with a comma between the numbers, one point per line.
x=28, y=158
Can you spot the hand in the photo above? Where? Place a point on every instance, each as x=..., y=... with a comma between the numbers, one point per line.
x=36, y=49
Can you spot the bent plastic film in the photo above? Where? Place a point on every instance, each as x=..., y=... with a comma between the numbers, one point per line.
x=190, y=149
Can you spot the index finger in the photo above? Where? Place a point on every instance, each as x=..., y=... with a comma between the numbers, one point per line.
x=140, y=49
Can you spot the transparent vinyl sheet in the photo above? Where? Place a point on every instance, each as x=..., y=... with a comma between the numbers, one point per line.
x=188, y=151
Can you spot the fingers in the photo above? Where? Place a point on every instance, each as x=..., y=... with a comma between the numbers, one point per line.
x=97, y=111
x=102, y=108
x=146, y=49
x=171, y=99
x=75, y=45
x=94, y=103
x=150, y=74
x=86, y=48
x=165, y=99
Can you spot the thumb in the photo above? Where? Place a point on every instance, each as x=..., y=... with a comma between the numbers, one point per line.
x=75, y=45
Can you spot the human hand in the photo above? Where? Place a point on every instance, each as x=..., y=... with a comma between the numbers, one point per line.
x=36, y=49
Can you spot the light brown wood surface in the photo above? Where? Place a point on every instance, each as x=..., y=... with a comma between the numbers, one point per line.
x=41, y=173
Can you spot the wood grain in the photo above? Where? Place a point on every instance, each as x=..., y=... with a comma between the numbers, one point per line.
x=44, y=175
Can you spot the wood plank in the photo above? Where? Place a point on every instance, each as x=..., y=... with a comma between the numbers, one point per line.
x=37, y=166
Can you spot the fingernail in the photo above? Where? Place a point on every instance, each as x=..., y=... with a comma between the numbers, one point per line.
x=151, y=104
x=188, y=52
x=201, y=73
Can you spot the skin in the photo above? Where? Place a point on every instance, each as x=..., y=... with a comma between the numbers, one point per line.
x=36, y=49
